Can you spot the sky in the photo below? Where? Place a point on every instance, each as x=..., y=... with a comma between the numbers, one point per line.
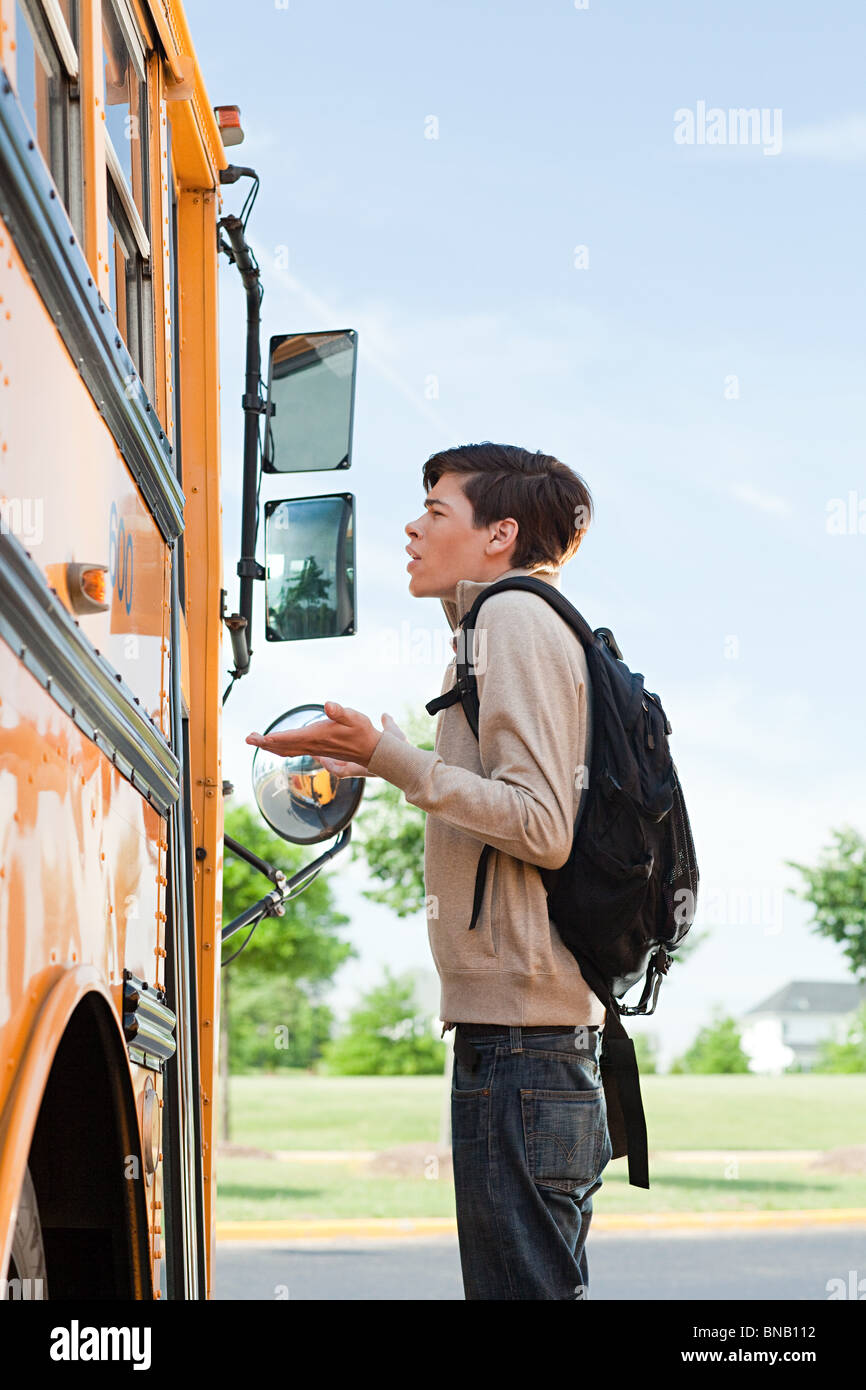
x=503, y=201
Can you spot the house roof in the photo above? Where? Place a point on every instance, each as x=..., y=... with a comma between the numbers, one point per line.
x=813, y=997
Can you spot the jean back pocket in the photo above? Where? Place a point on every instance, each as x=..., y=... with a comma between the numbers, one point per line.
x=564, y=1132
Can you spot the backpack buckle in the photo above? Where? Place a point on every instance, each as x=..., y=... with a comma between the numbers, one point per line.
x=609, y=641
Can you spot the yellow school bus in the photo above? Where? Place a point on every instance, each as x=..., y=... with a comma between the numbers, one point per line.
x=114, y=181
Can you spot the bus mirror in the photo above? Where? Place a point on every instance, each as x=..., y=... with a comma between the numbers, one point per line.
x=310, y=568
x=300, y=799
x=311, y=401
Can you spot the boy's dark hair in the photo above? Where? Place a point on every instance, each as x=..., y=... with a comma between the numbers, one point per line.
x=551, y=504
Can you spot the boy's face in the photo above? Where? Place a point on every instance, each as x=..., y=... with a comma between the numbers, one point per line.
x=449, y=547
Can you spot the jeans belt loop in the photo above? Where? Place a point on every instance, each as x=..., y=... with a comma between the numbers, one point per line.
x=515, y=1039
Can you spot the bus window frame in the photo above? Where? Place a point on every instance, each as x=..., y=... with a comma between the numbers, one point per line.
x=134, y=300
x=174, y=291
x=54, y=46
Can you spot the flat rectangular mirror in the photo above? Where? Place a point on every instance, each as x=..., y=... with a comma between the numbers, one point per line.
x=311, y=401
x=310, y=568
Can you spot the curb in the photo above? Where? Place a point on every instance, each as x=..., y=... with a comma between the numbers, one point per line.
x=397, y=1228
x=372, y=1228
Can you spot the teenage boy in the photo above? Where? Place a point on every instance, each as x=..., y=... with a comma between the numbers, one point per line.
x=529, y=1122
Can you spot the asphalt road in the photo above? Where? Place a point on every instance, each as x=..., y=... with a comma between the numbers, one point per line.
x=793, y=1265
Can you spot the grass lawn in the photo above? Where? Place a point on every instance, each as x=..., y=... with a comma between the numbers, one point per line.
x=300, y=1111
x=266, y=1190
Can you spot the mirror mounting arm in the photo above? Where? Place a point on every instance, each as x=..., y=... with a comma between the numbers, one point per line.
x=235, y=847
x=237, y=627
x=243, y=258
x=270, y=905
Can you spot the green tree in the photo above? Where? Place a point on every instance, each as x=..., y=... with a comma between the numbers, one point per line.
x=386, y=1035
x=836, y=888
x=715, y=1049
x=646, y=1052
x=272, y=1013
x=847, y=1056
x=275, y=1024
x=304, y=601
x=300, y=945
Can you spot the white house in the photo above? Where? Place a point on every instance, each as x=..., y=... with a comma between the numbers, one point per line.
x=788, y=1025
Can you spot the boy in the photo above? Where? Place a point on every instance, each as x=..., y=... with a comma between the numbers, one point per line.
x=529, y=1123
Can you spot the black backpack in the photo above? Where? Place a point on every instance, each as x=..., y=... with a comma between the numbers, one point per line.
x=627, y=894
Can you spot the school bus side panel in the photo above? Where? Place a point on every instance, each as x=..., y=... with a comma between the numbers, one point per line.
x=66, y=492
x=82, y=868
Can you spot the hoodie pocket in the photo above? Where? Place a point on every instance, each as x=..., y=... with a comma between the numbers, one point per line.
x=483, y=938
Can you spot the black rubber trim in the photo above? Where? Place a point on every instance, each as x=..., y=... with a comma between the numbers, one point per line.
x=46, y=242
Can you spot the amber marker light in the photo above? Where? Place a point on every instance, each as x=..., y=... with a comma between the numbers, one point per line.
x=88, y=587
x=229, y=122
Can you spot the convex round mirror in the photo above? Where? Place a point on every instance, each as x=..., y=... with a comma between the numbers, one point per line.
x=298, y=797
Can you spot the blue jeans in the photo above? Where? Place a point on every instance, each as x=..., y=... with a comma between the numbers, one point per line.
x=529, y=1143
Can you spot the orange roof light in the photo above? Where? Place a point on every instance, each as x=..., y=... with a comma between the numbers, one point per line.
x=229, y=122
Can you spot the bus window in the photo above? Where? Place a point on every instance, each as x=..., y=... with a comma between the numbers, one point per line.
x=126, y=132
x=125, y=99
x=174, y=313
x=46, y=60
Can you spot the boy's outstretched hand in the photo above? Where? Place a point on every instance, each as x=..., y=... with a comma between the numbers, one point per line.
x=343, y=743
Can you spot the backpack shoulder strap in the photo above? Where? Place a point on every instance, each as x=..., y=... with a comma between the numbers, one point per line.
x=621, y=1081
x=564, y=607
x=465, y=688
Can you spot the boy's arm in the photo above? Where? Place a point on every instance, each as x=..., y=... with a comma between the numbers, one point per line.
x=532, y=739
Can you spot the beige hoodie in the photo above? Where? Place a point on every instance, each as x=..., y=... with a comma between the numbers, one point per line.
x=517, y=788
